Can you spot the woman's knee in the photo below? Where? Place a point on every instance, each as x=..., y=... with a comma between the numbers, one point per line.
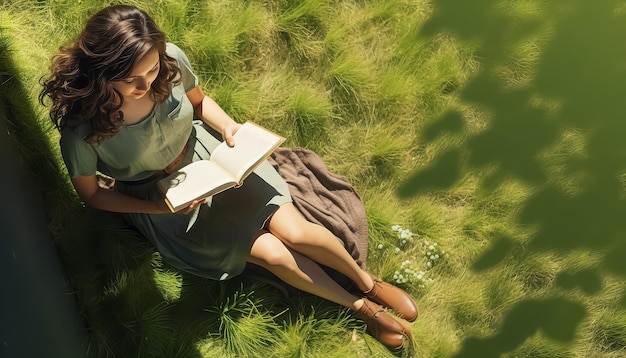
x=292, y=228
x=296, y=235
x=267, y=250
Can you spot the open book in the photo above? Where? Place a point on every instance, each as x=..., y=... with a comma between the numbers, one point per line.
x=227, y=167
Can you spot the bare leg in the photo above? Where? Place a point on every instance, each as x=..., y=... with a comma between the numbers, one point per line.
x=299, y=271
x=317, y=243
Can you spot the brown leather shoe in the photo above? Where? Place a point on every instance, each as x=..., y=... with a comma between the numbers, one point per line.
x=393, y=297
x=388, y=330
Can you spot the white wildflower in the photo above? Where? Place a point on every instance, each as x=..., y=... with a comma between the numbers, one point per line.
x=405, y=234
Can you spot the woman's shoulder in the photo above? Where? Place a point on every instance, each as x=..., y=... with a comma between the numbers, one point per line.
x=76, y=133
x=174, y=51
x=189, y=78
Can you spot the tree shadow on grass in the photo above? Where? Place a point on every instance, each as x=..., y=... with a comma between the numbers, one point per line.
x=576, y=87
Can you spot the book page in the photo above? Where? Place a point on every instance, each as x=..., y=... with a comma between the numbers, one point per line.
x=199, y=179
x=252, y=144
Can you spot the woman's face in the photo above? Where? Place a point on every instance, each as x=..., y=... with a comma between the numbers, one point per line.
x=138, y=83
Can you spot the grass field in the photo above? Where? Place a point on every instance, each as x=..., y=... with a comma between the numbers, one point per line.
x=484, y=137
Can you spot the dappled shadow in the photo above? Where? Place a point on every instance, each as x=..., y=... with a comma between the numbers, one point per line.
x=576, y=87
x=555, y=318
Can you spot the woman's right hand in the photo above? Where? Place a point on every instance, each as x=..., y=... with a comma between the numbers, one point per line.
x=228, y=133
x=111, y=200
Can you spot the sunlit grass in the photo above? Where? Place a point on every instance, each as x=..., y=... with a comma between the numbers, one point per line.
x=308, y=336
x=300, y=26
x=309, y=111
x=353, y=81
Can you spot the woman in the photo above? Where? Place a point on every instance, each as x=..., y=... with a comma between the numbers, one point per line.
x=124, y=102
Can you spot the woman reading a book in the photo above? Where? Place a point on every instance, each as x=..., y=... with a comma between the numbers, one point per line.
x=124, y=102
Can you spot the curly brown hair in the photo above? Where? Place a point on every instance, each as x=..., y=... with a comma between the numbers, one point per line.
x=79, y=85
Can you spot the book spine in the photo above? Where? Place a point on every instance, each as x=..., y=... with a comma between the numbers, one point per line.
x=169, y=205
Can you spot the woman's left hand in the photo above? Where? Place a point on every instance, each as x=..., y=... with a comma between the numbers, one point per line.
x=228, y=133
x=192, y=206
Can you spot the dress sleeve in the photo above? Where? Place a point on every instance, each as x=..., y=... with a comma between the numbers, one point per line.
x=190, y=80
x=79, y=156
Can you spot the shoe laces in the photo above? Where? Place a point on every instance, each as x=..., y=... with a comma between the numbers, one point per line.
x=367, y=308
x=373, y=292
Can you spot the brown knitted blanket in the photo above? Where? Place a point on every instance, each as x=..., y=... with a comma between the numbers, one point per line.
x=324, y=198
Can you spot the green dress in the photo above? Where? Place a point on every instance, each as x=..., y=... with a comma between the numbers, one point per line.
x=214, y=240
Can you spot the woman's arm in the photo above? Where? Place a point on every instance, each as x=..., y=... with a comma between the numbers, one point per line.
x=212, y=114
x=106, y=199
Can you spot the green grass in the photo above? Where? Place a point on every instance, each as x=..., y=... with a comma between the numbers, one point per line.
x=492, y=129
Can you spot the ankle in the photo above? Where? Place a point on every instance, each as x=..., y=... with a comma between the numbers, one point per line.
x=368, y=283
x=358, y=304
